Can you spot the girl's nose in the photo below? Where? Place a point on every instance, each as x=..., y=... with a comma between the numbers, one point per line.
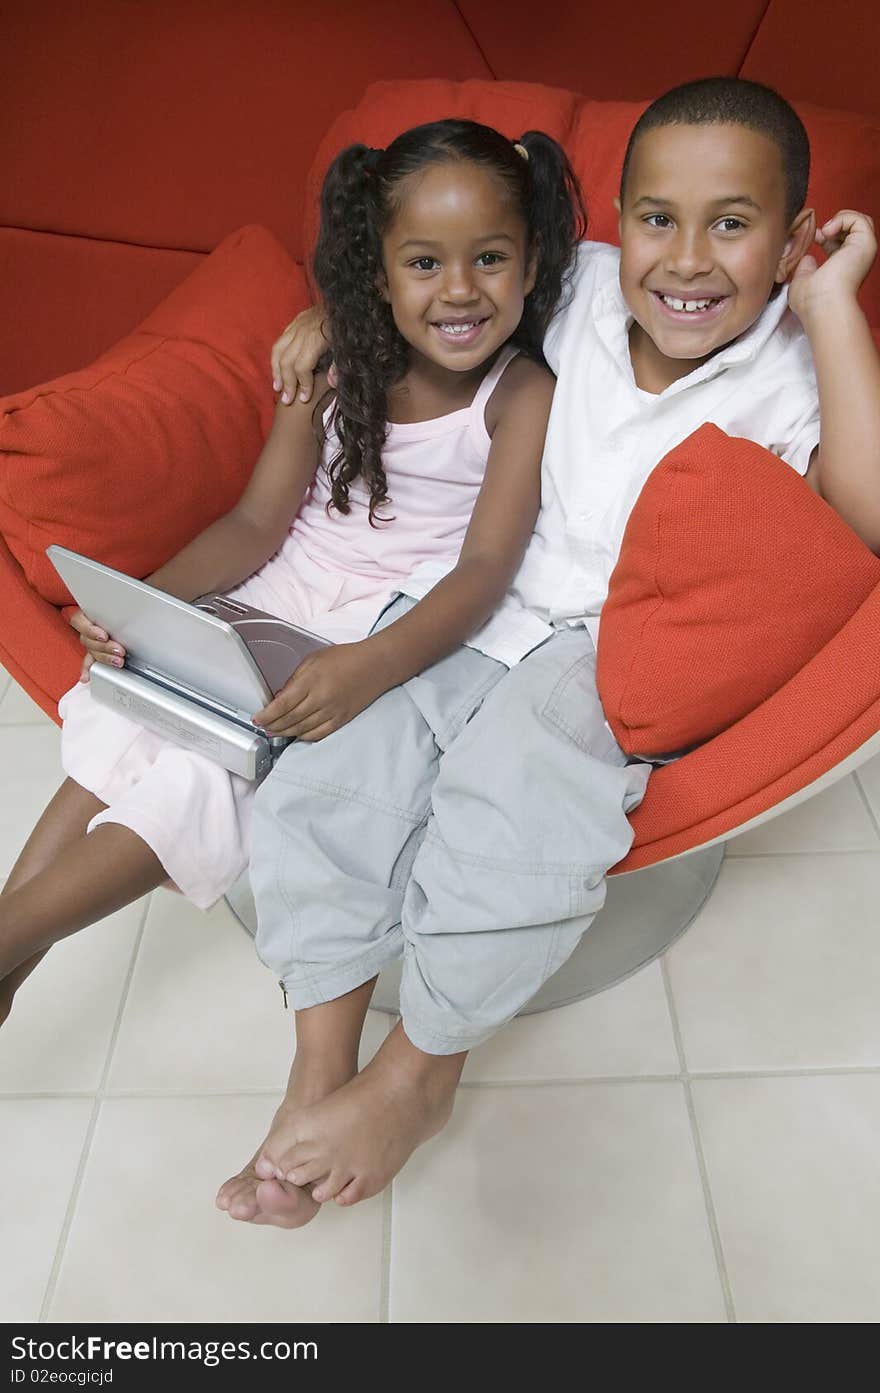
x=458, y=285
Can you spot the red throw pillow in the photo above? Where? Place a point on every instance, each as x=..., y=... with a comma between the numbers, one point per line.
x=732, y=574
x=129, y=458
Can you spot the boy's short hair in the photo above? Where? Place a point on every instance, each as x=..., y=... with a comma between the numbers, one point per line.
x=734, y=101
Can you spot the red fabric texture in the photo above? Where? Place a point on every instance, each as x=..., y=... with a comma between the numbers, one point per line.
x=807, y=51
x=67, y=299
x=635, y=52
x=825, y=713
x=127, y=459
x=732, y=575
x=171, y=123
x=845, y=147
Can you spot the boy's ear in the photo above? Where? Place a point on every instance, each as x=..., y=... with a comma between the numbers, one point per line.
x=801, y=236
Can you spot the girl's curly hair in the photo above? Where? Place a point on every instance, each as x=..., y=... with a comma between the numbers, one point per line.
x=359, y=200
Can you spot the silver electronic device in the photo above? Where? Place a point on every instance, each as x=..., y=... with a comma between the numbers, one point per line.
x=195, y=673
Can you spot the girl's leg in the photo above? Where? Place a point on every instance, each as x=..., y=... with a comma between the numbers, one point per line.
x=64, y=820
x=64, y=880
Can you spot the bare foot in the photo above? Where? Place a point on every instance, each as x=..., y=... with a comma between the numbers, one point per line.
x=249, y=1196
x=285, y=1206
x=356, y=1140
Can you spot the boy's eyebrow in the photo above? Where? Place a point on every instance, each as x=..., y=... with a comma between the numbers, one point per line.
x=724, y=202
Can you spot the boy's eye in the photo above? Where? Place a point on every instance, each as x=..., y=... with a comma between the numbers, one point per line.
x=658, y=220
x=731, y=224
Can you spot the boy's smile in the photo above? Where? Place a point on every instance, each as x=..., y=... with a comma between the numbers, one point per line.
x=704, y=239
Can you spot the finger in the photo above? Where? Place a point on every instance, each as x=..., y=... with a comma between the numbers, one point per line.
x=280, y=707
x=278, y=349
x=320, y=733
x=86, y=628
x=84, y=670
x=306, y=384
x=302, y=723
x=301, y=726
x=109, y=651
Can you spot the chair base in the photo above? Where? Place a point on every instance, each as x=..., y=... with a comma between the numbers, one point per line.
x=644, y=912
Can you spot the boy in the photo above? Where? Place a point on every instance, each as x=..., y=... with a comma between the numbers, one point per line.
x=468, y=818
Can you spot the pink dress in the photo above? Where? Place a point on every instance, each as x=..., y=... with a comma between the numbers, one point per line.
x=334, y=574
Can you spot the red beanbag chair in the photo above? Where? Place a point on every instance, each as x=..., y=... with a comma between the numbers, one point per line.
x=129, y=458
x=732, y=575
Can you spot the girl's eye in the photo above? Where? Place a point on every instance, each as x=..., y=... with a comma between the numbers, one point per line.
x=424, y=263
x=658, y=220
x=490, y=258
x=731, y=224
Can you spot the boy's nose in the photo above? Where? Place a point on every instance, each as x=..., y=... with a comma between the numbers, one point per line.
x=689, y=255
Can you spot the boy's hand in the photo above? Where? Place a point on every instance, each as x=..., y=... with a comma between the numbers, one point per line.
x=327, y=690
x=101, y=648
x=296, y=354
x=849, y=241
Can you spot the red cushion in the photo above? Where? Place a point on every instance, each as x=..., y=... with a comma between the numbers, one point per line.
x=732, y=575
x=127, y=459
x=845, y=147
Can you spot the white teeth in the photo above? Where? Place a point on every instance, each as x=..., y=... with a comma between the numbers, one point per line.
x=458, y=328
x=689, y=306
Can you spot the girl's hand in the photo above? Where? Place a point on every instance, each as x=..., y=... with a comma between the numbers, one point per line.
x=101, y=648
x=850, y=244
x=327, y=690
x=296, y=353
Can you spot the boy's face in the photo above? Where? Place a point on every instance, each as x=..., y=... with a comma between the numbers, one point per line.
x=704, y=238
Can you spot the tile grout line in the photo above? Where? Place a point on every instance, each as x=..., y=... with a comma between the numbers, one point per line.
x=598, y=1080
x=387, y=1237
x=875, y=819
x=99, y=1096
x=708, y=1201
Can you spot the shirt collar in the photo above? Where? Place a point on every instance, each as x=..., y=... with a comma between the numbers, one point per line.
x=613, y=320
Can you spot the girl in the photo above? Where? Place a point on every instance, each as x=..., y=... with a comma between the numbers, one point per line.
x=440, y=261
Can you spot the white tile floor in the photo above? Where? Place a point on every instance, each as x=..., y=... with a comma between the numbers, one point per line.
x=701, y=1143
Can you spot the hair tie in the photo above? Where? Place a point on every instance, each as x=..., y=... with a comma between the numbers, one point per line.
x=521, y=150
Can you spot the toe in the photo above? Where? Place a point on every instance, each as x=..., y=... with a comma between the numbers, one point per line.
x=283, y=1206
x=328, y=1189
x=266, y=1169
x=232, y=1188
x=306, y=1172
x=351, y=1193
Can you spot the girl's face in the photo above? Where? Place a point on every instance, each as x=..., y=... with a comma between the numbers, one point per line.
x=457, y=269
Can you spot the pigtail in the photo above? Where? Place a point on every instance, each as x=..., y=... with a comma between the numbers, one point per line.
x=369, y=352
x=557, y=221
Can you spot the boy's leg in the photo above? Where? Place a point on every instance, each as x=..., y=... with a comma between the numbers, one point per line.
x=327, y=1040
x=64, y=880
x=336, y=828
x=528, y=813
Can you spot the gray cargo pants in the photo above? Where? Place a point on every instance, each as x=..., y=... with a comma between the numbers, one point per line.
x=465, y=820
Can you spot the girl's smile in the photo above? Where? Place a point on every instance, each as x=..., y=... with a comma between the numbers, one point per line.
x=457, y=268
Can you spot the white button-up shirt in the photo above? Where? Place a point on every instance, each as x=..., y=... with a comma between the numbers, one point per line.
x=605, y=434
